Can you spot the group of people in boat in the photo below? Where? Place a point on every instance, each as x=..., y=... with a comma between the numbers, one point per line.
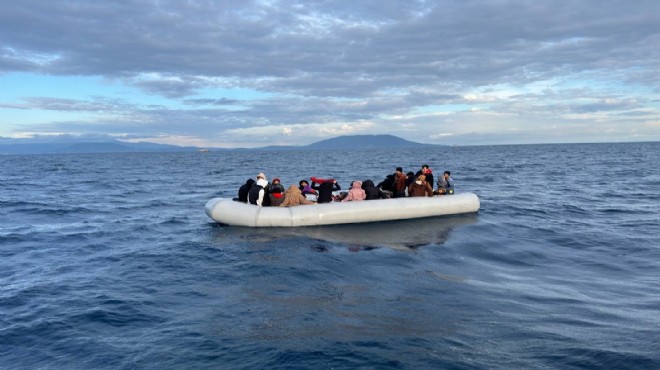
x=260, y=192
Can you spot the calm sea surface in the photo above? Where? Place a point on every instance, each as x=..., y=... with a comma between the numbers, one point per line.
x=108, y=261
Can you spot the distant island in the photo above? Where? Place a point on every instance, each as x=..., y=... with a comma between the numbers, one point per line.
x=348, y=142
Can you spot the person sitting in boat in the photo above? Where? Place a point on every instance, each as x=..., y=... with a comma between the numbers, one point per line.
x=276, y=195
x=410, y=178
x=342, y=194
x=276, y=184
x=387, y=186
x=420, y=188
x=305, y=189
x=445, y=184
x=257, y=193
x=388, y=183
x=269, y=189
x=427, y=172
x=355, y=193
x=371, y=191
x=325, y=189
x=244, y=189
x=399, y=185
x=294, y=197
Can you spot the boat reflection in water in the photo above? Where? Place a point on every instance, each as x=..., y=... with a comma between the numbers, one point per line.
x=400, y=234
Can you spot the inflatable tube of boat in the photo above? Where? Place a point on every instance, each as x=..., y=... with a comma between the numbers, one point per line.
x=229, y=212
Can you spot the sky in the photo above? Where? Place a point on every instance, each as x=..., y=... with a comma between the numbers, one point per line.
x=241, y=73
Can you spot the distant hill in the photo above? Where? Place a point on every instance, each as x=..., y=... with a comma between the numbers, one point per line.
x=349, y=142
x=366, y=142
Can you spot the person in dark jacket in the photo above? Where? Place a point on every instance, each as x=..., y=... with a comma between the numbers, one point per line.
x=372, y=191
x=276, y=196
x=325, y=190
x=257, y=194
x=410, y=178
x=244, y=189
x=276, y=184
x=388, y=183
x=269, y=189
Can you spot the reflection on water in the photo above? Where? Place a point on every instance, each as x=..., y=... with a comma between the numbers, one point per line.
x=296, y=297
x=402, y=234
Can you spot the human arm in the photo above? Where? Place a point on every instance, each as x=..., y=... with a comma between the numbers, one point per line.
x=349, y=197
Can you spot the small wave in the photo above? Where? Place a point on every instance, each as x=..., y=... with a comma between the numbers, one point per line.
x=174, y=221
x=593, y=358
x=50, y=210
x=121, y=315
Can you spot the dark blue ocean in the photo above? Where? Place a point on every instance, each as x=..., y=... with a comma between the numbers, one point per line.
x=108, y=261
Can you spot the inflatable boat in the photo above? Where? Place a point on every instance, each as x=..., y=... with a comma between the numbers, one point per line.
x=230, y=212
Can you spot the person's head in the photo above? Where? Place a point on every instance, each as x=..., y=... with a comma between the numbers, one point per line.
x=399, y=169
x=447, y=174
x=421, y=178
x=426, y=169
x=261, y=176
x=276, y=181
x=410, y=174
x=250, y=182
x=303, y=183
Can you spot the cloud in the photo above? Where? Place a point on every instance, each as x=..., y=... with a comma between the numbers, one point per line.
x=99, y=104
x=220, y=101
x=406, y=66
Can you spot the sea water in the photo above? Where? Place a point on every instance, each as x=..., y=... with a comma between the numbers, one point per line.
x=108, y=261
